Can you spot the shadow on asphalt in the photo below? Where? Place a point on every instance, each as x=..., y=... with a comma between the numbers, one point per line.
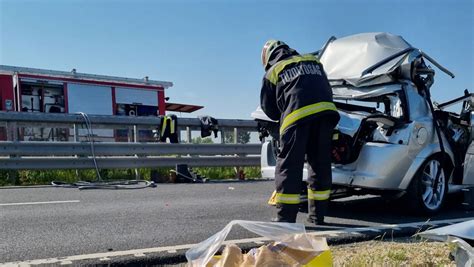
x=397, y=211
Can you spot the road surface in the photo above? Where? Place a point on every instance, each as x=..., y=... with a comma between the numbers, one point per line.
x=39, y=223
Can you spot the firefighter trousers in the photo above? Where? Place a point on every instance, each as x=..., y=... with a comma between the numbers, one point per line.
x=311, y=140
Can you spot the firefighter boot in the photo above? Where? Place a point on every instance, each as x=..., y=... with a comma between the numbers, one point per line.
x=317, y=210
x=286, y=213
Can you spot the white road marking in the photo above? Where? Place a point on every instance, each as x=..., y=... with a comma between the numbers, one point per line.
x=39, y=203
x=108, y=255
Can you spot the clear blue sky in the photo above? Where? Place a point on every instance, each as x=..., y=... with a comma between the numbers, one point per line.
x=210, y=50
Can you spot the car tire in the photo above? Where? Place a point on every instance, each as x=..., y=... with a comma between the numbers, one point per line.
x=422, y=197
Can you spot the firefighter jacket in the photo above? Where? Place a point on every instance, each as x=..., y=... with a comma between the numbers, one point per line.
x=169, y=129
x=295, y=89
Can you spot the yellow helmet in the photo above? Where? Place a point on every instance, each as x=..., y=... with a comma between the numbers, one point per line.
x=268, y=49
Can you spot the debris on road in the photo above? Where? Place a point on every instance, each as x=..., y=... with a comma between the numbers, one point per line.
x=276, y=254
x=185, y=174
x=461, y=235
x=291, y=247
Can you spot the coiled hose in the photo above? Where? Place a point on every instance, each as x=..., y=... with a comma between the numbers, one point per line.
x=99, y=183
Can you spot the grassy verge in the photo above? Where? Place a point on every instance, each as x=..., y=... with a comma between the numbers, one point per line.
x=31, y=177
x=408, y=252
x=227, y=172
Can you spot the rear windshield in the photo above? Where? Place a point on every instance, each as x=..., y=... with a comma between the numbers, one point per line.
x=389, y=104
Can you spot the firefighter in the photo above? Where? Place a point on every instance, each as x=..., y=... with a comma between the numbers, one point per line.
x=296, y=92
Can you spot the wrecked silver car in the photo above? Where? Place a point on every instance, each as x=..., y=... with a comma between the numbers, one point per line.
x=392, y=138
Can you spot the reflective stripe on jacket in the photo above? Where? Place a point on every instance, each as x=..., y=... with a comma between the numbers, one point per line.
x=164, y=124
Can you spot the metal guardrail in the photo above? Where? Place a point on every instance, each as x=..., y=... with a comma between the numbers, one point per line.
x=18, y=154
x=109, y=122
x=123, y=149
x=48, y=163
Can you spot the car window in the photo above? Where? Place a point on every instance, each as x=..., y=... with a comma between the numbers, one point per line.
x=396, y=109
x=390, y=105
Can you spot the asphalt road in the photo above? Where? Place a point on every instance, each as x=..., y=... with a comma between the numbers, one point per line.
x=39, y=223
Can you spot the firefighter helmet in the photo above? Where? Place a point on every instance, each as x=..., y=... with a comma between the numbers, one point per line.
x=268, y=48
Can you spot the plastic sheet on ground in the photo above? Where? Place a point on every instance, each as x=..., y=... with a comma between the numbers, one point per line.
x=460, y=234
x=291, y=246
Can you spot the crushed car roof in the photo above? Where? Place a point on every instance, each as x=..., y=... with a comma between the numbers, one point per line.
x=370, y=58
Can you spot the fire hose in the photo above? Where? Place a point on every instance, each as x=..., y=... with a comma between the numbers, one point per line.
x=99, y=183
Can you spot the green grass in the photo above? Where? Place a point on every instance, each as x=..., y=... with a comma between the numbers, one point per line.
x=226, y=172
x=397, y=255
x=43, y=177
x=399, y=252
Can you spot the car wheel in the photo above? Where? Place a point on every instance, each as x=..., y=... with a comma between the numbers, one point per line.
x=422, y=193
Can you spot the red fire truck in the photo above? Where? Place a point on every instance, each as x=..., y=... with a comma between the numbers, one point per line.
x=39, y=90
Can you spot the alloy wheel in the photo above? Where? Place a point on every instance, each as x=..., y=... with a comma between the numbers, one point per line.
x=433, y=197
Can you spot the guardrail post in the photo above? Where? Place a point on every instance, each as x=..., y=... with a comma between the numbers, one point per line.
x=135, y=134
x=76, y=133
x=188, y=134
x=76, y=139
x=130, y=134
x=135, y=140
x=8, y=131
x=14, y=129
x=222, y=136
x=12, y=135
x=180, y=140
x=235, y=135
x=239, y=172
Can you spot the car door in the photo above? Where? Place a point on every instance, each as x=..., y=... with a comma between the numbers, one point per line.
x=469, y=166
